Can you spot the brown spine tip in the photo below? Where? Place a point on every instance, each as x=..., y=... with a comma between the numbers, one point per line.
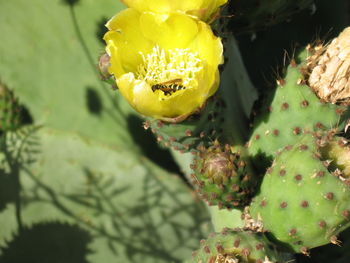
x=329, y=196
x=293, y=63
x=304, y=204
x=269, y=170
x=346, y=214
x=304, y=104
x=339, y=111
x=246, y=252
x=298, y=177
x=292, y=232
x=281, y=82
x=219, y=248
x=283, y=204
x=303, y=147
x=334, y=240
x=259, y=246
x=282, y=172
x=319, y=125
x=263, y=203
x=288, y=147
x=188, y=133
x=320, y=174
x=285, y=106
x=305, y=251
x=296, y=131
x=236, y=243
x=146, y=125
x=206, y=249
x=322, y=224
x=276, y=132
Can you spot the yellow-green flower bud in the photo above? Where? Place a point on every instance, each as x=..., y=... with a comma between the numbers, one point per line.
x=205, y=10
x=166, y=66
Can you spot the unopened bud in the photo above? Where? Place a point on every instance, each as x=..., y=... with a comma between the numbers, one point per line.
x=103, y=65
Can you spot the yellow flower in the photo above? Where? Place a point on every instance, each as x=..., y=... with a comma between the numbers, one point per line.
x=166, y=66
x=205, y=10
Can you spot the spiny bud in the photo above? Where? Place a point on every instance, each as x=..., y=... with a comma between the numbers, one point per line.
x=223, y=176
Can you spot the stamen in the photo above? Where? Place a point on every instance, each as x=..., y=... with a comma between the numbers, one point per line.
x=164, y=66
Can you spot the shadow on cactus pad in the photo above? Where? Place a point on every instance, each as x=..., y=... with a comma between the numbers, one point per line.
x=149, y=147
x=71, y=2
x=93, y=101
x=51, y=242
x=8, y=189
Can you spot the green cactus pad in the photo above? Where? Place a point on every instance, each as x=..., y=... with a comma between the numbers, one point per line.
x=301, y=203
x=236, y=246
x=294, y=109
x=9, y=110
x=223, y=176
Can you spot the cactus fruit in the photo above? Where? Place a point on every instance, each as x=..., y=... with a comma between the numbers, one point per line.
x=223, y=176
x=236, y=246
x=9, y=110
x=294, y=109
x=295, y=194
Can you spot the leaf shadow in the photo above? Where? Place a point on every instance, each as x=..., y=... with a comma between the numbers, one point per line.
x=48, y=242
x=148, y=218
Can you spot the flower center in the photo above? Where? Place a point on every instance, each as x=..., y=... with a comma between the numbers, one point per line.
x=170, y=70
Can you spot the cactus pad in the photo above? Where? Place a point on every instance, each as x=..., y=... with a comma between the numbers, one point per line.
x=295, y=194
x=294, y=109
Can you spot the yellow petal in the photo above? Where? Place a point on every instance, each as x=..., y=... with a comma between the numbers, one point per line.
x=203, y=9
x=169, y=31
x=125, y=32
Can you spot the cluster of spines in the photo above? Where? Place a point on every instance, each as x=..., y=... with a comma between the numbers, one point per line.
x=236, y=246
x=196, y=131
x=223, y=176
x=313, y=205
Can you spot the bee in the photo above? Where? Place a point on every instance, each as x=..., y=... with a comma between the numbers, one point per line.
x=168, y=87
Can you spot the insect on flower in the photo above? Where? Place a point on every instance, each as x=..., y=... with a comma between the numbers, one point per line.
x=169, y=87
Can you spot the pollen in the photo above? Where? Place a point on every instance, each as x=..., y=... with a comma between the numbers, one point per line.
x=164, y=66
